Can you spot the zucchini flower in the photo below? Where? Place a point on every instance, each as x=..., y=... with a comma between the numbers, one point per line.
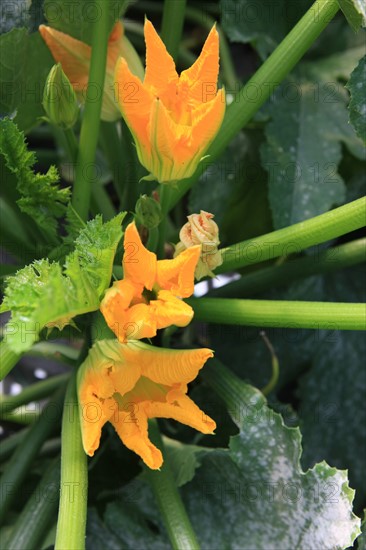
x=173, y=119
x=75, y=56
x=147, y=298
x=126, y=384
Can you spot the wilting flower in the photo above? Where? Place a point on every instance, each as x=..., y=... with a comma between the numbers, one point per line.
x=75, y=56
x=147, y=298
x=201, y=229
x=172, y=118
x=126, y=384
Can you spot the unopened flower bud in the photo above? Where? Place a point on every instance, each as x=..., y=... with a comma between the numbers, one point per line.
x=59, y=99
x=148, y=212
x=201, y=229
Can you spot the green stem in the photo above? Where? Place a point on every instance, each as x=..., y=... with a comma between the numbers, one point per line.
x=232, y=390
x=262, y=84
x=153, y=239
x=112, y=147
x=9, y=444
x=18, y=466
x=22, y=416
x=72, y=145
x=74, y=478
x=35, y=392
x=172, y=25
x=296, y=237
x=34, y=521
x=278, y=313
x=8, y=359
x=332, y=259
x=165, y=194
x=275, y=366
x=91, y=120
x=176, y=520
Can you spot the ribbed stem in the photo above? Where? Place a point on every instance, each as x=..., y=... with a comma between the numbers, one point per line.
x=172, y=25
x=277, y=313
x=296, y=237
x=176, y=520
x=8, y=359
x=71, y=522
x=332, y=259
x=31, y=526
x=91, y=120
x=35, y=392
x=18, y=467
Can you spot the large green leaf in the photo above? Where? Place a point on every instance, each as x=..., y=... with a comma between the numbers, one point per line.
x=42, y=294
x=262, y=23
x=252, y=495
x=331, y=409
x=303, y=150
x=234, y=189
x=78, y=17
x=355, y=12
x=357, y=106
x=24, y=65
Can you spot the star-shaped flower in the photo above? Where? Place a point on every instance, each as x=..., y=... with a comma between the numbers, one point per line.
x=147, y=298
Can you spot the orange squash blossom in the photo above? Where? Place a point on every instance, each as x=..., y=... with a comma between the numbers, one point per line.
x=173, y=119
x=147, y=298
x=126, y=384
x=75, y=56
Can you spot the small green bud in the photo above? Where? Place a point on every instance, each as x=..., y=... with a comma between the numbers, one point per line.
x=59, y=99
x=148, y=212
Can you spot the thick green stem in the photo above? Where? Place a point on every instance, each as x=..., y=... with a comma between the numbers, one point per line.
x=93, y=105
x=260, y=87
x=172, y=25
x=176, y=520
x=8, y=359
x=296, y=237
x=332, y=259
x=74, y=478
x=278, y=313
x=112, y=147
x=35, y=392
x=18, y=467
x=34, y=521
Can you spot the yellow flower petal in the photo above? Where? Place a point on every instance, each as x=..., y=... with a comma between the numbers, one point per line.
x=202, y=75
x=135, y=101
x=169, y=310
x=181, y=408
x=139, y=264
x=177, y=275
x=132, y=428
x=160, y=67
x=73, y=55
x=168, y=367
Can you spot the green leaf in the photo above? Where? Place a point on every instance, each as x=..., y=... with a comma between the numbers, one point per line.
x=234, y=189
x=262, y=23
x=43, y=294
x=357, y=106
x=252, y=495
x=303, y=150
x=24, y=65
x=184, y=459
x=331, y=394
x=77, y=18
x=361, y=541
x=41, y=197
x=355, y=12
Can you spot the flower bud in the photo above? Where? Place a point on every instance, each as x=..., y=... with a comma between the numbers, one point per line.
x=148, y=212
x=59, y=99
x=201, y=229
